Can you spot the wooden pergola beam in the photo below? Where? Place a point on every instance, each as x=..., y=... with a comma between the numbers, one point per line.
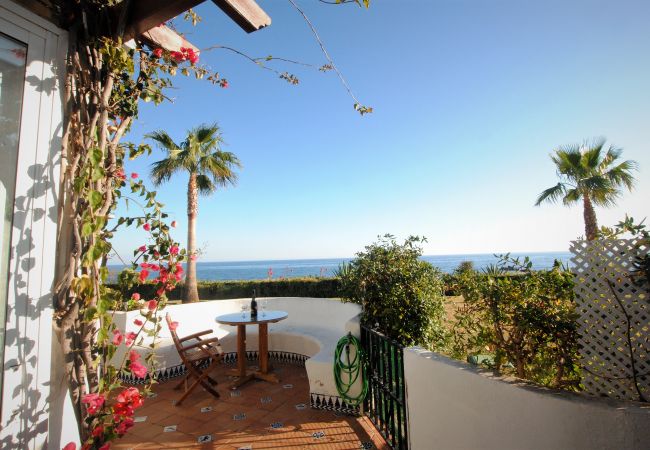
x=147, y=14
x=166, y=38
x=245, y=13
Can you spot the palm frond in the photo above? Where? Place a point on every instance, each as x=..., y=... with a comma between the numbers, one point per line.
x=162, y=171
x=552, y=194
x=612, y=155
x=572, y=196
x=621, y=175
x=205, y=185
x=164, y=141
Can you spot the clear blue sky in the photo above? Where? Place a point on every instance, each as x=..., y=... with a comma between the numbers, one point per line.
x=470, y=98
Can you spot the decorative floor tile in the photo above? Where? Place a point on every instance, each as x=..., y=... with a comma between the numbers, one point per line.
x=287, y=386
x=204, y=438
x=239, y=419
x=140, y=419
x=266, y=400
x=206, y=409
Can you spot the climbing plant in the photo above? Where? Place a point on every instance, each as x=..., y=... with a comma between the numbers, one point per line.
x=105, y=82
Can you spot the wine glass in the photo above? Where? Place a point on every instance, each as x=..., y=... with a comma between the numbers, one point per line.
x=263, y=307
x=244, y=308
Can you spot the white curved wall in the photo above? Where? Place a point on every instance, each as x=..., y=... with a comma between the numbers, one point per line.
x=453, y=406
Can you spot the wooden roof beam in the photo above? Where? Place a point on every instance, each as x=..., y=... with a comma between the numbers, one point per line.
x=166, y=38
x=147, y=14
x=245, y=13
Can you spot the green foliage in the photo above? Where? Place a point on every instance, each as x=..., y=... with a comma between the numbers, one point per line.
x=640, y=273
x=526, y=321
x=401, y=295
x=221, y=290
x=464, y=267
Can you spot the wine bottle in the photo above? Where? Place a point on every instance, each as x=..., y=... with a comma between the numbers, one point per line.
x=253, y=306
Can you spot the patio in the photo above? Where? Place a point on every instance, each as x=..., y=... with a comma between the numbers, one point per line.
x=260, y=415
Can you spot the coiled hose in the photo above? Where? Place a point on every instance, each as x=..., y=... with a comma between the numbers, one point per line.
x=347, y=372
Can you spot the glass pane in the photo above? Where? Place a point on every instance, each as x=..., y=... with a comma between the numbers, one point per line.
x=13, y=57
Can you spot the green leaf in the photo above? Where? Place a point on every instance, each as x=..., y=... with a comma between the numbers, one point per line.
x=96, y=199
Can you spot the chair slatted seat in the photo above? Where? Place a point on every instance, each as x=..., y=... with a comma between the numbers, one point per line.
x=199, y=356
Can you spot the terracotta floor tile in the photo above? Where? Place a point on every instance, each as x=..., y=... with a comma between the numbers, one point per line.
x=296, y=433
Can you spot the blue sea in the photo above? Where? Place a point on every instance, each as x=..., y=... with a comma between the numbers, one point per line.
x=293, y=268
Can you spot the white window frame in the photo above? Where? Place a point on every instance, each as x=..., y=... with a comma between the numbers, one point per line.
x=33, y=393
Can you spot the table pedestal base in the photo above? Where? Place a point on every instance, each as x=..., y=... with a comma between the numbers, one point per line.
x=243, y=375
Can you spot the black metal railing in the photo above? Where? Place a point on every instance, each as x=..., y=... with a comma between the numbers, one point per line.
x=385, y=403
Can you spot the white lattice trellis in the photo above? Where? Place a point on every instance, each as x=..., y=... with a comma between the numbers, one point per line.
x=603, y=284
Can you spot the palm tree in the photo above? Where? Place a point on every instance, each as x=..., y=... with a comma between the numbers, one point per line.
x=591, y=174
x=209, y=168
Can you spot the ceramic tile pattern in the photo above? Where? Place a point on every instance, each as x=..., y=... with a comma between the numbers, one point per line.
x=263, y=416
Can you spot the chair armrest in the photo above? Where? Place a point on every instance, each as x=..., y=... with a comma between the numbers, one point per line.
x=201, y=343
x=195, y=335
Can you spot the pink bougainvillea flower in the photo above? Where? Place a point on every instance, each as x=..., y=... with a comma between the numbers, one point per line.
x=158, y=52
x=156, y=254
x=160, y=291
x=70, y=446
x=154, y=267
x=138, y=369
x=134, y=356
x=224, y=84
x=134, y=175
x=146, y=227
x=173, y=249
x=152, y=304
x=117, y=337
x=129, y=338
x=122, y=410
x=173, y=224
x=130, y=395
x=144, y=273
x=135, y=296
x=145, y=265
x=138, y=322
x=119, y=173
x=173, y=326
x=98, y=431
x=142, y=248
x=94, y=402
x=192, y=257
x=177, y=56
x=124, y=426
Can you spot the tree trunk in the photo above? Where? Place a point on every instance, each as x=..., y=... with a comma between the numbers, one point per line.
x=591, y=224
x=191, y=289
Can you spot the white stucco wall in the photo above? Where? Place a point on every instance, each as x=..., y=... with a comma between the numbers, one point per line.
x=451, y=405
x=312, y=329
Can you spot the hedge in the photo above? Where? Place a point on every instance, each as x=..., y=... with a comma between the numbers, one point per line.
x=220, y=290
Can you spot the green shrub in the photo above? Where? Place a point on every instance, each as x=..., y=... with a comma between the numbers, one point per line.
x=220, y=290
x=401, y=295
x=527, y=321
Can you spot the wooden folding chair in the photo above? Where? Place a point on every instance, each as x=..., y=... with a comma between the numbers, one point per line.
x=195, y=354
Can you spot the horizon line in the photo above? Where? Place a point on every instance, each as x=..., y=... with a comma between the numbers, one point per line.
x=352, y=257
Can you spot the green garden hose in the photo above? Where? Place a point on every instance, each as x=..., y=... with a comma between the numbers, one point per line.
x=347, y=372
